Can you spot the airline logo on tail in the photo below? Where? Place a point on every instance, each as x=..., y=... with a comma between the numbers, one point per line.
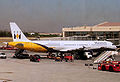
x=18, y=35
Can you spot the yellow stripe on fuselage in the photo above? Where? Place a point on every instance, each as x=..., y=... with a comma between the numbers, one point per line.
x=29, y=46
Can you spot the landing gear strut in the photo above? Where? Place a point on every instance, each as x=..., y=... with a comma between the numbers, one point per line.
x=19, y=54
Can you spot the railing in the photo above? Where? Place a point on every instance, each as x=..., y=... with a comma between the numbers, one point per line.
x=103, y=56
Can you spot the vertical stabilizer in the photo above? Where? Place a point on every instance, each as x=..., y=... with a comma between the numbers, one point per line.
x=17, y=34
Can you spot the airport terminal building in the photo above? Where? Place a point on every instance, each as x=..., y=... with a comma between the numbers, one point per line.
x=109, y=31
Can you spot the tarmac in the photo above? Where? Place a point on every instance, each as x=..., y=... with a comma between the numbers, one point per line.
x=48, y=70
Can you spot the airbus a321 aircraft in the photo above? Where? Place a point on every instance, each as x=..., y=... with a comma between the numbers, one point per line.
x=75, y=47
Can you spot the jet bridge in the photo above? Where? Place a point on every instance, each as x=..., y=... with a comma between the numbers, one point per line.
x=104, y=55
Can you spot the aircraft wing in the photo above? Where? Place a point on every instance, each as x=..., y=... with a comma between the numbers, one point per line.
x=71, y=49
x=83, y=48
x=67, y=49
x=101, y=49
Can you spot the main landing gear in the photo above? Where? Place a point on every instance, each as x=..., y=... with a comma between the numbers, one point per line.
x=19, y=54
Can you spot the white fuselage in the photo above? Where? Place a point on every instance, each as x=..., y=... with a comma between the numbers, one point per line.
x=59, y=45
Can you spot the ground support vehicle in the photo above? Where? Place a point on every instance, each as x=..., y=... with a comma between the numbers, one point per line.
x=34, y=58
x=58, y=58
x=2, y=47
x=86, y=54
x=109, y=66
x=3, y=56
x=67, y=57
x=52, y=56
x=8, y=48
x=70, y=58
x=21, y=56
x=11, y=48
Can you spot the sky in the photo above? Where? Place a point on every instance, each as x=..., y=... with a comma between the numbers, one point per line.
x=52, y=15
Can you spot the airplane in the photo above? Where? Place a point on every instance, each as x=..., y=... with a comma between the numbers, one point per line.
x=74, y=47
